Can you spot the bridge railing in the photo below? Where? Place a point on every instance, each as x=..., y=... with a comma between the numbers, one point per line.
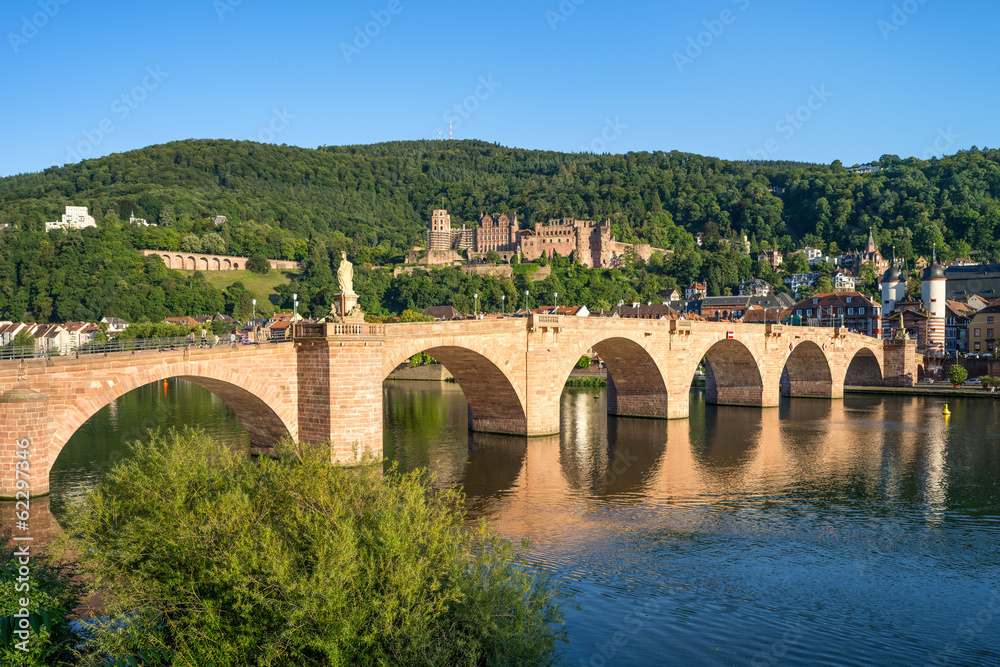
x=121, y=346
x=324, y=329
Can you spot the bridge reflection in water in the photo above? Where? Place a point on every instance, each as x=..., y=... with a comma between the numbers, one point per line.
x=820, y=530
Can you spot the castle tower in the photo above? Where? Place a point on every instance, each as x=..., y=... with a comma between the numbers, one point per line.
x=933, y=293
x=439, y=235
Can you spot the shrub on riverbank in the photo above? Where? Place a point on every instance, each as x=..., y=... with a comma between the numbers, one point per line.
x=51, y=593
x=295, y=561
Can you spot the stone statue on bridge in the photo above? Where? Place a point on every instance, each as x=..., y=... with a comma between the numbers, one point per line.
x=345, y=302
x=345, y=275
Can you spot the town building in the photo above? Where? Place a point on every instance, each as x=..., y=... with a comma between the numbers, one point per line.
x=797, y=281
x=853, y=261
x=755, y=287
x=735, y=307
x=813, y=255
x=843, y=281
x=772, y=257
x=982, y=330
x=851, y=310
x=977, y=279
x=695, y=291
x=75, y=217
x=116, y=325
x=870, y=168
x=956, y=324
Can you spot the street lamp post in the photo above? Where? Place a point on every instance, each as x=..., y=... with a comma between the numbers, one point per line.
x=526, y=310
x=503, y=304
x=555, y=299
x=295, y=309
x=254, y=317
x=475, y=308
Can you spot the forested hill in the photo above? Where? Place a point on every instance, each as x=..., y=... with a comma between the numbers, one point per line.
x=383, y=194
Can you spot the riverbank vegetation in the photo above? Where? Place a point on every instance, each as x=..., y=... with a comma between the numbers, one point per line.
x=224, y=560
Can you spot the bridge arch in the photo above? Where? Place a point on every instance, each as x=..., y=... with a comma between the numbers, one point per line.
x=495, y=404
x=864, y=370
x=264, y=414
x=807, y=372
x=732, y=375
x=636, y=386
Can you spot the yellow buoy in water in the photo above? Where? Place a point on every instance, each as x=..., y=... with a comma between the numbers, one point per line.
x=946, y=410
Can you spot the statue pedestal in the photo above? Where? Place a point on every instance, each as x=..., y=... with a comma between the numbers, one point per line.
x=345, y=308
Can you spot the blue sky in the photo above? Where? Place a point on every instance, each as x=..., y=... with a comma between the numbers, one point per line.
x=813, y=81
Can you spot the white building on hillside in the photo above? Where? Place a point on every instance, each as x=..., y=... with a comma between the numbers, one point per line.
x=75, y=217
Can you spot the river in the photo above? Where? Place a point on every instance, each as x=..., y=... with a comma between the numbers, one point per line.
x=863, y=531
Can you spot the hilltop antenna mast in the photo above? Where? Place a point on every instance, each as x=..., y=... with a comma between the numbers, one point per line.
x=450, y=133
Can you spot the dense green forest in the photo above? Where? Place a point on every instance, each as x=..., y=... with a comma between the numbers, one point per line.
x=374, y=202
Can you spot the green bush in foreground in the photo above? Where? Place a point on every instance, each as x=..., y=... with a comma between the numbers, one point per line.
x=294, y=561
x=52, y=594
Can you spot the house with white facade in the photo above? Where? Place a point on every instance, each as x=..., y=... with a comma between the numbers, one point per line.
x=799, y=280
x=75, y=217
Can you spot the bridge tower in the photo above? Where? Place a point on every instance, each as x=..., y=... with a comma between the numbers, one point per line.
x=933, y=293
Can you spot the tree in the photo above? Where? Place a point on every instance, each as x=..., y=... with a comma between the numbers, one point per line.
x=957, y=374
x=213, y=243
x=493, y=257
x=292, y=560
x=24, y=338
x=258, y=264
x=797, y=262
x=191, y=243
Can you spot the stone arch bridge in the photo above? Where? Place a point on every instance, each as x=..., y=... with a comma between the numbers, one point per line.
x=327, y=384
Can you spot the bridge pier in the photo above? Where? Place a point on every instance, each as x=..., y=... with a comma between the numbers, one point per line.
x=340, y=388
x=628, y=400
x=24, y=416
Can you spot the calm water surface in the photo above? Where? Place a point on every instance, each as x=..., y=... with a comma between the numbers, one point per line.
x=863, y=532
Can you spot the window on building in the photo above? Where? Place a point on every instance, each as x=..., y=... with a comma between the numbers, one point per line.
x=850, y=311
x=977, y=347
x=989, y=319
x=989, y=346
x=809, y=313
x=840, y=311
x=815, y=301
x=976, y=333
x=799, y=312
x=861, y=310
x=989, y=333
x=848, y=299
